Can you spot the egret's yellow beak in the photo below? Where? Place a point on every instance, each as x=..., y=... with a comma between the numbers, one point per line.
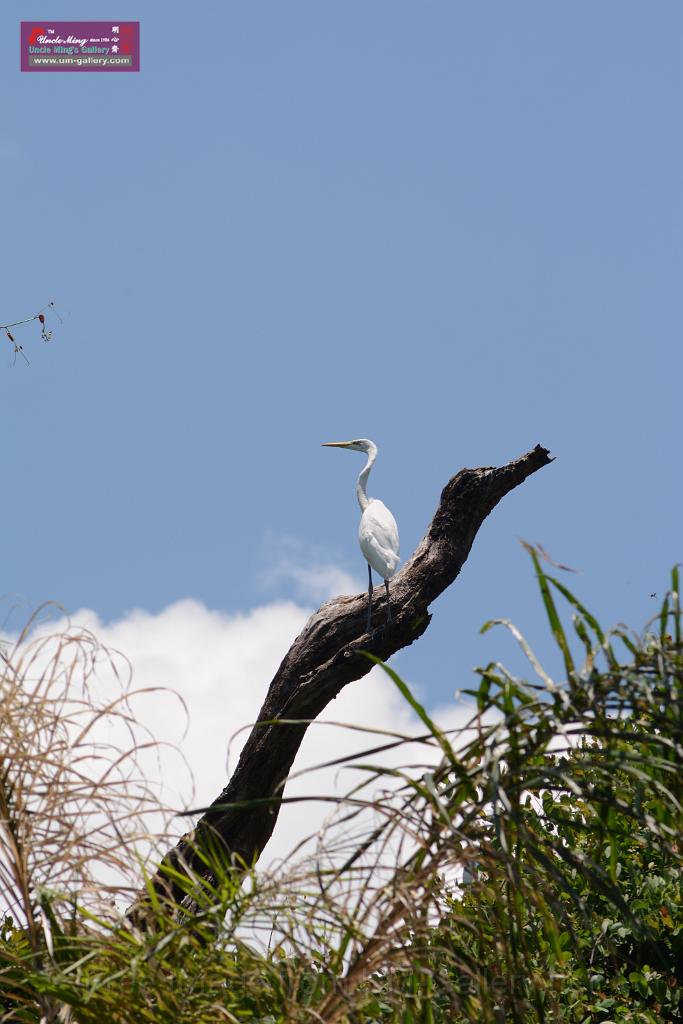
x=336, y=444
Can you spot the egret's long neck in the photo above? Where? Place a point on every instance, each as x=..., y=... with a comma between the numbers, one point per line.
x=363, y=479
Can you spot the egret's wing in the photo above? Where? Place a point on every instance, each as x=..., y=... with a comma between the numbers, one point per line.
x=378, y=535
x=384, y=526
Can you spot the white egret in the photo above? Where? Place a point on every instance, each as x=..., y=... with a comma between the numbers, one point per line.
x=378, y=532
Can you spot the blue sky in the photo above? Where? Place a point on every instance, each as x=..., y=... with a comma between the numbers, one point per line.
x=454, y=228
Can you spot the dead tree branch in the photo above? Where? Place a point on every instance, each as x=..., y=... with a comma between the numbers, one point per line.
x=324, y=658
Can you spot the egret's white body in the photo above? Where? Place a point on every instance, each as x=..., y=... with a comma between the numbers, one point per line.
x=378, y=537
x=378, y=532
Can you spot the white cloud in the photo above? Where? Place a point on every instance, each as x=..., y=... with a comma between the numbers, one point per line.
x=308, y=568
x=317, y=582
x=221, y=666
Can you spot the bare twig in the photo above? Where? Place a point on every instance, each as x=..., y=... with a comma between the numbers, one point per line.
x=44, y=333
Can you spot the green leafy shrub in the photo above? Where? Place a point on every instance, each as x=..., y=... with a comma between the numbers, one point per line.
x=529, y=871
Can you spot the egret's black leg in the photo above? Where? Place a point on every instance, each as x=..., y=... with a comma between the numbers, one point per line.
x=369, y=599
x=389, y=619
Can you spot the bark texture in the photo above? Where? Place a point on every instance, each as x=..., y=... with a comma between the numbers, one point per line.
x=324, y=658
